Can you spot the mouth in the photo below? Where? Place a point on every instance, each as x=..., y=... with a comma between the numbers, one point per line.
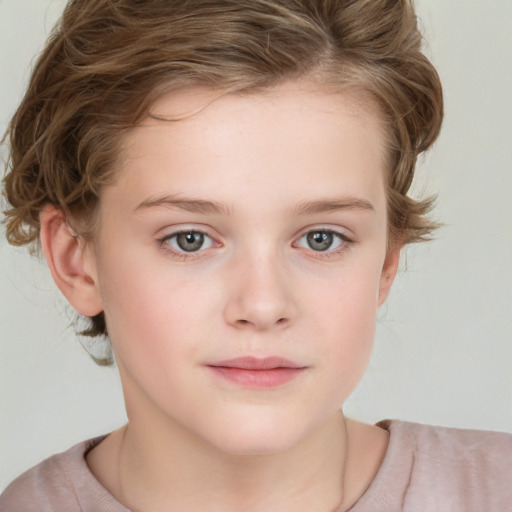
x=257, y=373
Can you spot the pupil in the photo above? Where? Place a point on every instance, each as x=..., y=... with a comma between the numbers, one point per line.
x=190, y=242
x=320, y=240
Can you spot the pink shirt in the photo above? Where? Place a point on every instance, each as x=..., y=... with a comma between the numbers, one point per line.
x=425, y=469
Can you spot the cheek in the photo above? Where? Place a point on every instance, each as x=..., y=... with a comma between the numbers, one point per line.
x=346, y=320
x=348, y=301
x=153, y=314
x=352, y=320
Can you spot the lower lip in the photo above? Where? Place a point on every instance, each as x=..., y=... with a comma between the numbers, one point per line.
x=257, y=379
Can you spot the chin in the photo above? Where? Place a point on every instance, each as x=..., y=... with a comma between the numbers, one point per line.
x=258, y=436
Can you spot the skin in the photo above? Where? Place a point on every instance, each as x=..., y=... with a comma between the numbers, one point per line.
x=276, y=165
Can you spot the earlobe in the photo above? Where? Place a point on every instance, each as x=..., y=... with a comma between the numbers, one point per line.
x=69, y=264
x=389, y=270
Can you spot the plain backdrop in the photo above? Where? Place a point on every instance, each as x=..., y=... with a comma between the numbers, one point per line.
x=443, y=351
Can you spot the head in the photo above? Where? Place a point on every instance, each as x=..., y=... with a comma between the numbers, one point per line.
x=108, y=64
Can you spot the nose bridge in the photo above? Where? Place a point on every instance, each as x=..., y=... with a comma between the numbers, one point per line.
x=260, y=293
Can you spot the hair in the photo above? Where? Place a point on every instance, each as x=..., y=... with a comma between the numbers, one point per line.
x=107, y=61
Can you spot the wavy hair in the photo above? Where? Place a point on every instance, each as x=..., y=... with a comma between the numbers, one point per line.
x=107, y=61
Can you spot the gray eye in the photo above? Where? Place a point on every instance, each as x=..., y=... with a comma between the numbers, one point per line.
x=320, y=240
x=190, y=241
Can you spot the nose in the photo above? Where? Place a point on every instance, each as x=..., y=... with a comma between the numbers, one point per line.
x=260, y=294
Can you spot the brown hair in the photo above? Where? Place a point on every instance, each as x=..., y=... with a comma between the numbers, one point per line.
x=107, y=61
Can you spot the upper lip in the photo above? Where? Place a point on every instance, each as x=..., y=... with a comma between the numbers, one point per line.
x=256, y=363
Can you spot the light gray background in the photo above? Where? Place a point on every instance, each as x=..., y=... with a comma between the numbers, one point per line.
x=443, y=352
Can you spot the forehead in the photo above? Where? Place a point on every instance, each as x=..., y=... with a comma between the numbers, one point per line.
x=285, y=141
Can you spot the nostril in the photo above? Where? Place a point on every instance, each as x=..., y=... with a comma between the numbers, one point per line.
x=281, y=321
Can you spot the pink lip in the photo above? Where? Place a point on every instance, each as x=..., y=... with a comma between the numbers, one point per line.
x=256, y=373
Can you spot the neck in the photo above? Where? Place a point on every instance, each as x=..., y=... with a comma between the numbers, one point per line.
x=158, y=471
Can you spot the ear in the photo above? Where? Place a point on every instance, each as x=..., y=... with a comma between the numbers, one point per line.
x=71, y=262
x=388, y=274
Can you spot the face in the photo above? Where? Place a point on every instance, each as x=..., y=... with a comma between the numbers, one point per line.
x=241, y=260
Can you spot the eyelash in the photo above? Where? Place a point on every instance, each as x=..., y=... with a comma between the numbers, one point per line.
x=344, y=244
x=182, y=255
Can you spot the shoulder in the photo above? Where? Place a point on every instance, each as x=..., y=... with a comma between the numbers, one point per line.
x=452, y=468
x=452, y=446
x=61, y=482
x=46, y=486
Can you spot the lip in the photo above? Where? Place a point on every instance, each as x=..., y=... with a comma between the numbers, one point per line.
x=257, y=373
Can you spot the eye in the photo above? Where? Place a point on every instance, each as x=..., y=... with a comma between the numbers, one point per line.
x=188, y=241
x=321, y=240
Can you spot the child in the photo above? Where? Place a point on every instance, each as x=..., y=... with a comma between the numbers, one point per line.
x=221, y=188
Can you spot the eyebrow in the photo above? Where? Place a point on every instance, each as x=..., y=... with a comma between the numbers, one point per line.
x=187, y=204
x=208, y=207
x=334, y=204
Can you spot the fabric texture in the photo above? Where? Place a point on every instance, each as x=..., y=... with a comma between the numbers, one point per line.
x=425, y=469
x=439, y=469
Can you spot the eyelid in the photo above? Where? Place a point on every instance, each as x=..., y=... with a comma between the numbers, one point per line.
x=181, y=254
x=173, y=230
x=327, y=228
x=346, y=241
